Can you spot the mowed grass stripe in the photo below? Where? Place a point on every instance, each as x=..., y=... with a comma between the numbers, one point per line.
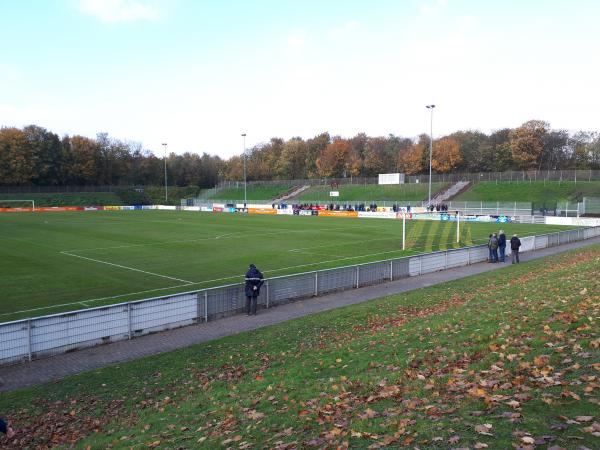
x=184, y=246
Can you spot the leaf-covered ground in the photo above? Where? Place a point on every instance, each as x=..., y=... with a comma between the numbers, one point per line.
x=509, y=359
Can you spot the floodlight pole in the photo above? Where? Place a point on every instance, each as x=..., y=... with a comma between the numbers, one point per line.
x=244, y=154
x=164, y=144
x=430, y=107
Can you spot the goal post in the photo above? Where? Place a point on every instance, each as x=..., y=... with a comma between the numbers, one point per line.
x=427, y=216
x=26, y=205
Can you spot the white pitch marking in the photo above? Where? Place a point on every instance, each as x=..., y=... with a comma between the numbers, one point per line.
x=187, y=284
x=127, y=268
x=238, y=234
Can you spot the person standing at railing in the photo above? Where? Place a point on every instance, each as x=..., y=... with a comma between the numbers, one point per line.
x=493, y=246
x=254, y=280
x=6, y=428
x=502, y=245
x=515, y=244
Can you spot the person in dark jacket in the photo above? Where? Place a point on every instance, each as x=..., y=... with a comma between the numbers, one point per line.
x=515, y=243
x=502, y=245
x=6, y=429
x=254, y=280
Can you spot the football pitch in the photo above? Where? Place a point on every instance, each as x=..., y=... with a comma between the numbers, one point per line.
x=56, y=262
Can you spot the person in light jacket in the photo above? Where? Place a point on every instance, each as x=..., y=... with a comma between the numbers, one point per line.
x=254, y=280
x=515, y=243
x=493, y=246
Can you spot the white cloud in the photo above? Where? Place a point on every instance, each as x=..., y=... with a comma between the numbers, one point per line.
x=119, y=10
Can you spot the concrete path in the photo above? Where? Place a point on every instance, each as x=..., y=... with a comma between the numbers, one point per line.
x=56, y=367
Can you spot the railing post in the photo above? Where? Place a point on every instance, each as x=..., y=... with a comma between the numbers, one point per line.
x=420, y=265
x=357, y=276
x=316, y=284
x=129, y=320
x=468, y=256
x=29, y=352
x=198, y=310
x=206, y=306
x=267, y=287
x=391, y=270
x=445, y=259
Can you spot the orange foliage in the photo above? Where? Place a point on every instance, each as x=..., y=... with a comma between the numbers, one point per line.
x=410, y=161
x=446, y=155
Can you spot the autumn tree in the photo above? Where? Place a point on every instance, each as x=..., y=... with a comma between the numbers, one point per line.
x=446, y=155
x=84, y=161
x=316, y=146
x=526, y=143
x=17, y=158
x=374, y=158
x=49, y=155
x=292, y=161
x=410, y=160
x=471, y=144
x=337, y=160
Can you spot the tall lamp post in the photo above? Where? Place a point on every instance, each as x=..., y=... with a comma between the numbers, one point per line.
x=244, y=136
x=430, y=108
x=164, y=144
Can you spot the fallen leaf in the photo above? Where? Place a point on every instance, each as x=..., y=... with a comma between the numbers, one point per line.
x=484, y=429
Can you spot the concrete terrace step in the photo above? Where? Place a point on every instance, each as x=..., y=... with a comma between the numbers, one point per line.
x=449, y=193
x=293, y=194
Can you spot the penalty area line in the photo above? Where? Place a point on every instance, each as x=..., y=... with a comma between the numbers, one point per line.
x=126, y=268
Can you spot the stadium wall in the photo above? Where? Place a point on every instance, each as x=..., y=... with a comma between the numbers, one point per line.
x=45, y=336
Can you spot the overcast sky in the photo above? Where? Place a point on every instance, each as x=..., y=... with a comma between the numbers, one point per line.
x=196, y=74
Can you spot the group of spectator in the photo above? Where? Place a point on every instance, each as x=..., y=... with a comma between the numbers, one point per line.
x=341, y=207
x=397, y=208
x=440, y=207
x=497, y=247
x=306, y=207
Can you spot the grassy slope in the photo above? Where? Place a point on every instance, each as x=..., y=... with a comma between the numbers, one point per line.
x=151, y=195
x=65, y=199
x=503, y=359
x=538, y=192
x=373, y=192
x=196, y=250
x=252, y=193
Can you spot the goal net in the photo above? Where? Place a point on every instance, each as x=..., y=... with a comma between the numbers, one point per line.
x=17, y=205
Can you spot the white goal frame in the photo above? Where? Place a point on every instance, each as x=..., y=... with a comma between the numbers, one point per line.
x=404, y=226
x=20, y=201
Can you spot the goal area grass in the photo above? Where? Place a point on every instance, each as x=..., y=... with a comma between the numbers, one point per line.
x=56, y=262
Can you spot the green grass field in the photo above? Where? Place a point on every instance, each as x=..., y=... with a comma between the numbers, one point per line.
x=54, y=262
x=373, y=192
x=538, y=192
x=499, y=360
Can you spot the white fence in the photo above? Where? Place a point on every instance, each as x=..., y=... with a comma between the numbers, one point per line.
x=59, y=333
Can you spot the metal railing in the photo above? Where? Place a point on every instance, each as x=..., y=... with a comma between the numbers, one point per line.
x=514, y=176
x=59, y=333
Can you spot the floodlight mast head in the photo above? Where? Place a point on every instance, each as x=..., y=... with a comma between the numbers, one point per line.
x=244, y=155
x=430, y=108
